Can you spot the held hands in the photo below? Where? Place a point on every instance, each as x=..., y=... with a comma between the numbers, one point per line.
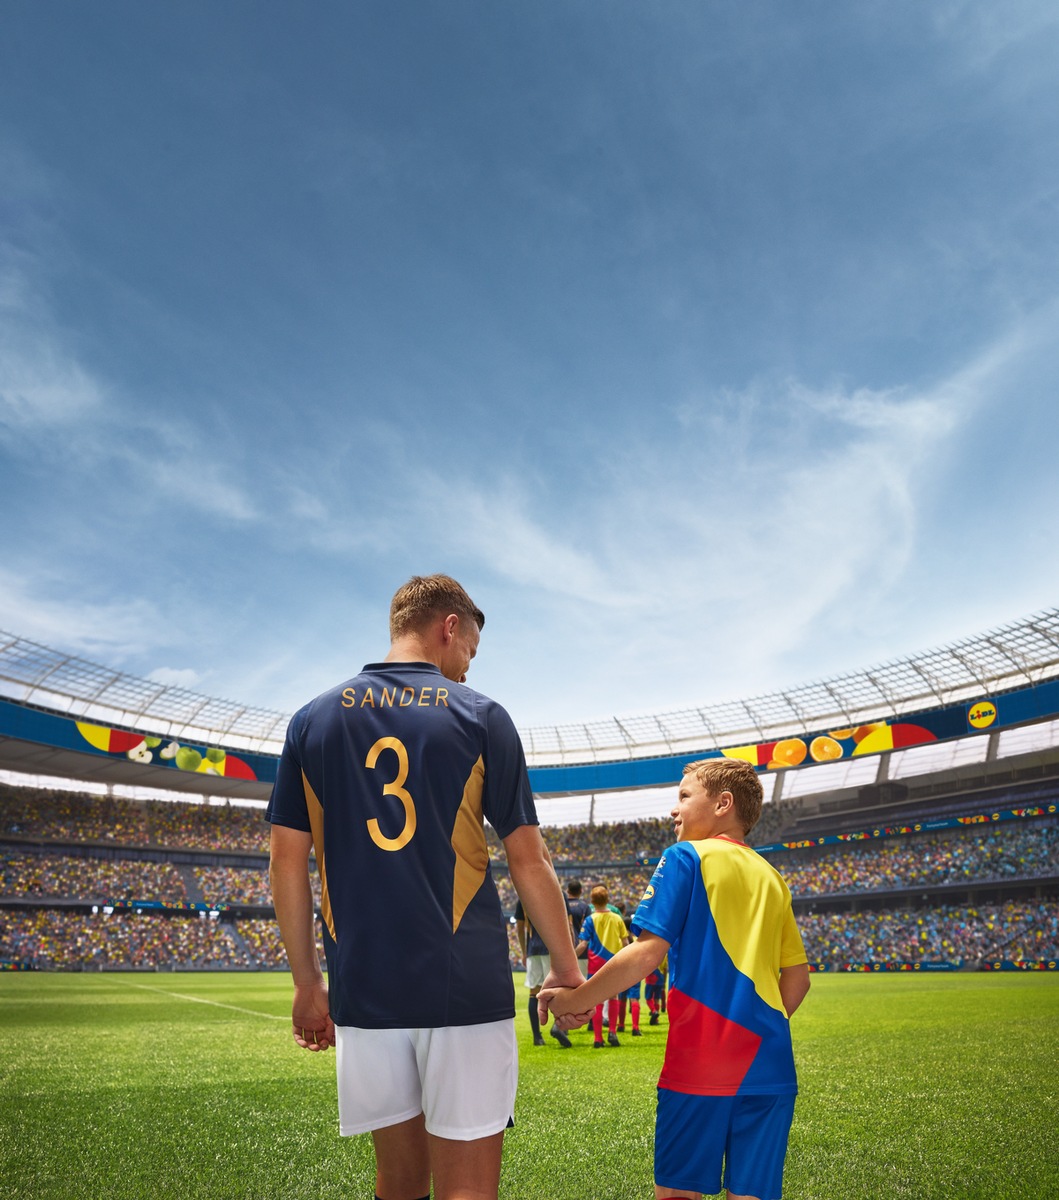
x=311, y=1024
x=563, y=1004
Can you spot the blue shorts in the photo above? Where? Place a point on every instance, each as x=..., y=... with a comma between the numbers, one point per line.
x=632, y=993
x=695, y=1135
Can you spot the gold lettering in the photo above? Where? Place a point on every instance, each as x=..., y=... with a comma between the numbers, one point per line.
x=410, y=692
x=369, y=698
x=394, y=788
x=442, y=697
x=349, y=698
x=388, y=697
x=424, y=697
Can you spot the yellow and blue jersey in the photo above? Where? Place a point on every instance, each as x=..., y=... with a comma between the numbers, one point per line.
x=727, y=915
x=605, y=934
x=393, y=772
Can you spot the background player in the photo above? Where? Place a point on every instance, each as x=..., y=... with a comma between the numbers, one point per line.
x=603, y=934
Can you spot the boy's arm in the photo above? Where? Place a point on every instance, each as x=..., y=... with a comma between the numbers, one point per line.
x=627, y=967
x=794, y=986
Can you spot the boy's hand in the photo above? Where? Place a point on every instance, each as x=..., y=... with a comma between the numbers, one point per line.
x=563, y=1005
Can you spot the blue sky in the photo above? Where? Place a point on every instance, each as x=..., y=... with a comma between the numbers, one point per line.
x=712, y=346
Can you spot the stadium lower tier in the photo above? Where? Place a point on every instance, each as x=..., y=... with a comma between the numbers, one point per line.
x=63, y=940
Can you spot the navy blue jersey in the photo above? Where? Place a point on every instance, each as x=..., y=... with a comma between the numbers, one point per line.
x=392, y=772
x=535, y=944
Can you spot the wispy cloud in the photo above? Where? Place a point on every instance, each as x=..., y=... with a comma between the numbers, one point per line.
x=44, y=609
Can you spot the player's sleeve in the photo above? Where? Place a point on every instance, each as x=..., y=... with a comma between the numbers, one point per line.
x=588, y=930
x=287, y=805
x=792, y=949
x=667, y=899
x=507, y=799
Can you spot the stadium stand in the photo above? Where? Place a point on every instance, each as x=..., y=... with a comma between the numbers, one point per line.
x=920, y=829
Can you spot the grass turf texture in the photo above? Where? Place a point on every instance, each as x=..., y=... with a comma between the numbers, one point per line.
x=188, y=1085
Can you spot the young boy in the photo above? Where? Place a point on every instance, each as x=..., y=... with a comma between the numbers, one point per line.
x=738, y=971
x=603, y=934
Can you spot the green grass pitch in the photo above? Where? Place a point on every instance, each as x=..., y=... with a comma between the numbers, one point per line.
x=188, y=1085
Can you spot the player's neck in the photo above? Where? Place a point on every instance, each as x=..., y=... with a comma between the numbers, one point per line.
x=412, y=649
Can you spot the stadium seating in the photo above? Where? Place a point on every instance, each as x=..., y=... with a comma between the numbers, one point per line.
x=63, y=855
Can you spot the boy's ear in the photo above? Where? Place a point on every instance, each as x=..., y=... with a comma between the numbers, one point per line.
x=725, y=800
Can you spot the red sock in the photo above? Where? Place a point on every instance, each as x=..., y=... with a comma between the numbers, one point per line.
x=634, y=1009
x=597, y=1022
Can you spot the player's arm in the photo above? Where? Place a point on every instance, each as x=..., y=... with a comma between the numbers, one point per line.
x=292, y=899
x=794, y=986
x=631, y=964
x=537, y=885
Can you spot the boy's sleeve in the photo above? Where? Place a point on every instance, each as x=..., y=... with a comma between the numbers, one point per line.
x=667, y=899
x=792, y=950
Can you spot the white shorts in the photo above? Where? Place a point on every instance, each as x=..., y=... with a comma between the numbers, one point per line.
x=537, y=968
x=463, y=1078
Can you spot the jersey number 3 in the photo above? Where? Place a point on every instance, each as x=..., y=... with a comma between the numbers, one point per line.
x=394, y=788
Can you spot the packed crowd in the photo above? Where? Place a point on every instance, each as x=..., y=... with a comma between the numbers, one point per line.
x=1015, y=851
x=973, y=855
x=104, y=880
x=71, y=817
x=1023, y=930
x=1015, y=930
x=50, y=938
x=242, y=885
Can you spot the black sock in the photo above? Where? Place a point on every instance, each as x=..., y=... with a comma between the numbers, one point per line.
x=535, y=1021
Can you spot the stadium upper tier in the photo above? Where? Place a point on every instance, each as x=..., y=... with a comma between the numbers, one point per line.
x=1024, y=653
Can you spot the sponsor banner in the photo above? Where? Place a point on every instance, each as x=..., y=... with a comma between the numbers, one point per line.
x=981, y=715
x=122, y=906
x=8, y=964
x=872, y=967
x=66, y=733
x=984, y=714
x=1005, y=964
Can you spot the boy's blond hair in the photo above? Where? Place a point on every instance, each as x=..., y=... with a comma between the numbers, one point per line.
x=426, y=597
x=732, y=775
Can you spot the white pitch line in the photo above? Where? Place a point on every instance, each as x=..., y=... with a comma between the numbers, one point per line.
x=216, y=1003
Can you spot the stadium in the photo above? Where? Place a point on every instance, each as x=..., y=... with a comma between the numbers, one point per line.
x=912, y=806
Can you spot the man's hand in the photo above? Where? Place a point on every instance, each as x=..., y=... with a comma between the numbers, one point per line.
x=311, y=1023
x=563, y=1004
x=557, y=981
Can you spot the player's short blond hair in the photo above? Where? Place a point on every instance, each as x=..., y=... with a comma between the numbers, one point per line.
x=733, y=775
x=426, y=597
x=599, y=895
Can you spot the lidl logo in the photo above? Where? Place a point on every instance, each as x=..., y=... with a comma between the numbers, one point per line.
x=982, y=714
x=648, y=893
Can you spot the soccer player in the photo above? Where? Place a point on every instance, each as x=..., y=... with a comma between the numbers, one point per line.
x=537, y=963
x=738, y=973
x=655, y=990
x=578, y=910
x=629, y=1002
x=388, y=776
x=603, y=934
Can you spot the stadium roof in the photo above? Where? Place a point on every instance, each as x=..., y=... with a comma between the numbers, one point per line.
x=1021, y=654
